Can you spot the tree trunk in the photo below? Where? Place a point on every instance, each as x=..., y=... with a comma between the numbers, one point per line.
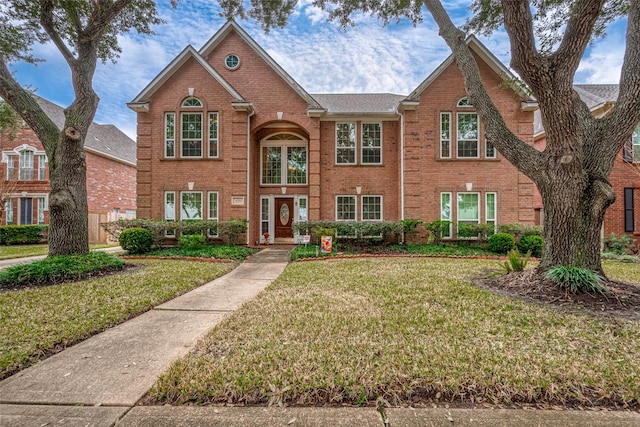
x=68, y=212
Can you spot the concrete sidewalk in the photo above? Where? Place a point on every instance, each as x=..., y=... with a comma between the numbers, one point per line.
x=98, y=382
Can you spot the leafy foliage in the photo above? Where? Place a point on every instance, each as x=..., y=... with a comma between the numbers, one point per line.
x=438, y=229
x=531, y=243
x=192, y=241
x=57, y=269
x=515, y=262
x=576, y=279
x=618, y=244
x=10, y=121
x=236, y=253
x=517, y=230
x=409, y=225
x=22, y=234
x=479, y=231
x=136, y=240
x=501, y=243
x=364, y=230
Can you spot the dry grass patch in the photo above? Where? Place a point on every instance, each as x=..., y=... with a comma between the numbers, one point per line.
x=40, y=321
x=409, y=331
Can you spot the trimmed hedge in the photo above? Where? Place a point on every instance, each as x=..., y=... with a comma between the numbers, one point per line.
x=136, y=240
x=531, y=243
x=501, y=243
x=22, y=234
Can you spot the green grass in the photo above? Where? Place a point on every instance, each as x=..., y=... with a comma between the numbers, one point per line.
x=211, y=251
x=36, y=321
x=351, y=331
x=21, y=251
x=61, y=268
x=449, y=249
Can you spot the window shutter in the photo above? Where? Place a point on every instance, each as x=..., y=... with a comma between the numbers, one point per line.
x=627, y=151
x=629, y=220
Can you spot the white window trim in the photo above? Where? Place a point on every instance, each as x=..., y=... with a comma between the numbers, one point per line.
x=495, y=209
x=283, y=145
x=381, y=208
x=355, y=212
x=182, y=139
x=447, y=114
x=166, y=216
x=362, y=147
x=442, y=218
x=463, y=140
x=8, y=212
x=166, y=123
x=355, y=144
x=217, y=139
x=458, y=220
x=183, y=105
x=486, y=145
x=10, y=160
x=42, y=161
x=213, y=215
x=182, y=193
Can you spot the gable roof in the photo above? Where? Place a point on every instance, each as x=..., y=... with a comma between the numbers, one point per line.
x=489, y=58
x=360, y=103
x=231, y=25
x=103, y=140
x=141, y=102
x=595, y=96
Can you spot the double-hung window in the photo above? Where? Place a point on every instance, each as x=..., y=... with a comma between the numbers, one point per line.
x=371, y=208
x=445, y=212
x=170, y=135
x=371, y=144
x=213, y=211
x=191, y=134
x=346, y=208
x=345, y=143
x=170, y=209
x=445, y=135
x=26, y=165
x=490, y=209
x=190, y=205
x=42, y=159
x=468, y=132
x=635, y=145
x=213, y=135
x=11, y=167
x=468, y=208
x=489, y=150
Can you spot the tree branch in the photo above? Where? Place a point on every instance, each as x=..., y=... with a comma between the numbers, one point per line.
x=46, y=21
x=625, y=115
x=523, y=156
x=25, y=105
x=577, y=35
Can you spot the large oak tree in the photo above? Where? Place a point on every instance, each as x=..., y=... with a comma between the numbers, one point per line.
x=83, y=31
x=548, y=39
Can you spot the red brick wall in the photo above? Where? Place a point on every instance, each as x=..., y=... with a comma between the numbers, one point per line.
x=427, y=175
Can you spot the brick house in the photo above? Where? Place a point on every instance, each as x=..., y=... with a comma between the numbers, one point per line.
x=111, y=171
x=225, y=132
x=620, y=218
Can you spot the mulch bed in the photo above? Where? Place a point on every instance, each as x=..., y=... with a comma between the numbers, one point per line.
x=622, y=299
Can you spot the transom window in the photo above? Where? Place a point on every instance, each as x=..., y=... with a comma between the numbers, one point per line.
x=284, y=160
x=192, y=102
x=465, y=102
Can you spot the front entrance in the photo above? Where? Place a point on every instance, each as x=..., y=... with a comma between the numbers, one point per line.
x=284, y=214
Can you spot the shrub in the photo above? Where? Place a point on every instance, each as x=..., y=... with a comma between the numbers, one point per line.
x=438, y=229
x=408, y=225
x=576, y=279
x=479, y=231
x=56, y=269
x=518, y=230
x=501, y=243
x=22, y=234
x=618, y=244
x=136, y=240
x=193, y=241
x=515, y=261
x=531, y=243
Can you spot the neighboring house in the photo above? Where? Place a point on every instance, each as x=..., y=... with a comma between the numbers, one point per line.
x=225, y=133
x=623, y=216
x=111, y=171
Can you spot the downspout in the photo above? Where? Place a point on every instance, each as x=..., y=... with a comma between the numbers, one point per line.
x=249, y=115
x=402, y=170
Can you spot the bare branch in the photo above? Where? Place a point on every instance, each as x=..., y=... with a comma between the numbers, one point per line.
x=46, y=21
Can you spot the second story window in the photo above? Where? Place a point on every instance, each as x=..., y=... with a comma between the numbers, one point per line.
x=371, y=143
x=191, y=134
x=170, y=135
x=26, y=165
x=346, y=143
x=284, y=160
x=468, y=130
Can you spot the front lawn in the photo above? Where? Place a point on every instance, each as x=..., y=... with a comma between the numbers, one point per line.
x=21, y=251
x=354, y=248
x=36, y=322
x=409, y=331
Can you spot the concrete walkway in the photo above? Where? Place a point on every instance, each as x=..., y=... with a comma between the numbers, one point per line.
x=98, y=382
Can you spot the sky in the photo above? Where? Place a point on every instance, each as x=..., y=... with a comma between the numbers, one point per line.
x=320, y=56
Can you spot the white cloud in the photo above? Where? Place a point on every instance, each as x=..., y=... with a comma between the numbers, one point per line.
x=603, y=63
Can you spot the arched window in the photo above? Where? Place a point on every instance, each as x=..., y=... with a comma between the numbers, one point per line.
x=192, y=102
x=465, y=102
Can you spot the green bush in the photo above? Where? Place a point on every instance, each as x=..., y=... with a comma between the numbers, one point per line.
x=136, y=240
x=57, y=269
x=576, y=279
x=479, y=231
x=515, y=261
x=501, y=243
x=22, y=234
x=620, y=245
x=518, y=230
x=438, y=229
x=531, y=243
x=408, y=225
x=192, y=241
